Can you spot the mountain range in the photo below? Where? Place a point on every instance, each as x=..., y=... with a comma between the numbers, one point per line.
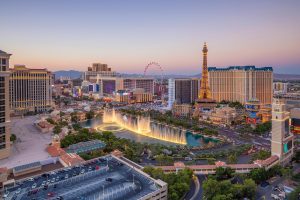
x=77, y=74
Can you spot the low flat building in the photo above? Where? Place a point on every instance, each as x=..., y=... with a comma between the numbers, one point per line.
x=106, y=178
x=185, y=110
x=134, y=96
x=223, y=115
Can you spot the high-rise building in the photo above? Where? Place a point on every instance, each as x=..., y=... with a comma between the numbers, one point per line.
x=241, y=83
x=30, y=90
x=99, y=69
x=4, y=105
x=280, y=88
x=282, y=144
x=183, y=91
x=108, y=85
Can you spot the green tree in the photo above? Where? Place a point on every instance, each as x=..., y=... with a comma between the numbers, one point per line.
x=223, y=173
x=51, y=121
x=13, y=137
x=57, y=129
x=90, y=114
x=261, y=155
x=295, y=194
x=249, y=188
x=258, y=174
x=210, y=188
x=232, y=159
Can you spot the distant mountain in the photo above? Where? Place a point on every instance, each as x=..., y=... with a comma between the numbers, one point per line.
x=70, y=73
x=77, y=74
x=287, y=77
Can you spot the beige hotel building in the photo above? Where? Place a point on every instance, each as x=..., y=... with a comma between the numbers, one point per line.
x=30, y=90
x=4, y=105
x=241, y=83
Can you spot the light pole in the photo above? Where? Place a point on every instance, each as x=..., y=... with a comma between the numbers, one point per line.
x=103, y=191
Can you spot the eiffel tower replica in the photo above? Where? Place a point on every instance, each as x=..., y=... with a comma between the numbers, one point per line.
x=204, y=102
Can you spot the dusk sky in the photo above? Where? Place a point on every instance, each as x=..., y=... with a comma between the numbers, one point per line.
x=128, y=34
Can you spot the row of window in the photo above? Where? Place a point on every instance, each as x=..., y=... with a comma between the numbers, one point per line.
x=2, y=139
x=2, y=146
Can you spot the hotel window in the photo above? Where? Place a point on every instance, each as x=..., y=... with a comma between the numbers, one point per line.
x=3, y=61
x=2, y=146
x=2, y=130
x=2, y=139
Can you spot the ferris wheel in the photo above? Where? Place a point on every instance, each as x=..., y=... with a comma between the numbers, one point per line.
x=156, y=65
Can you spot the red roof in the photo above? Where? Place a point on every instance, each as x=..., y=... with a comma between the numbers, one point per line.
x=55, y=151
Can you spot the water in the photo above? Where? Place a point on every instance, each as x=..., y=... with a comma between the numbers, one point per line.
x=141, y=129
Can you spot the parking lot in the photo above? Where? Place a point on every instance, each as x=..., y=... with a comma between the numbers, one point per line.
x=30, y=145
x=103, y=178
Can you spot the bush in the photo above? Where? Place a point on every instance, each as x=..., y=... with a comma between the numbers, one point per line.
x=13, y=137
x=178, y=184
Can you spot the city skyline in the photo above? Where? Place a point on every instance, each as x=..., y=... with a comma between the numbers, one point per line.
x=127, y=36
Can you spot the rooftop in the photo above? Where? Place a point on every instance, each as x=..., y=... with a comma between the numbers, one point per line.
x=85, y=146
x=107, y=177
x=245, y=68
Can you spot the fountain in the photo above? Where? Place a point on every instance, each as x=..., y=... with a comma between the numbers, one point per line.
x=143, y=126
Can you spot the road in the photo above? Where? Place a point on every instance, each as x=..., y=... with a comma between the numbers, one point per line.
x=194, y=190
x=237, y=138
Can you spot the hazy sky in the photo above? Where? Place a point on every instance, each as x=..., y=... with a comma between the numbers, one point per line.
x=128, y=34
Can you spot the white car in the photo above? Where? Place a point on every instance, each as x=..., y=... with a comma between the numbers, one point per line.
x=30, y=179
x=33, y=186
x=5, y=195
x=274, y=196
x=18, y=190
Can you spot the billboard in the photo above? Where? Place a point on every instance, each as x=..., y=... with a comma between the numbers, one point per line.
x=295, y=125
x=109, y=86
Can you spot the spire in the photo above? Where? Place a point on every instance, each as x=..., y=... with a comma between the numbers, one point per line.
x=205, y=50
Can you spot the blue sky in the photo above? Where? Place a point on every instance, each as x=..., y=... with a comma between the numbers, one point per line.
x=128, y=34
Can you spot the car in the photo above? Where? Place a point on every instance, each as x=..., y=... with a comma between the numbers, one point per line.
x=34, y=191
x=52, y=180
x=43, y=183
x=53, y=173
x=5, y=195
x=264, y=184
x=50, y=194
x=30, y=179
x=45, y=187
x=109, y=179
x=34, y=186
x=82, y=171
x=18, y=190
x=274, y=196
x=66, y=176
x=59, y=198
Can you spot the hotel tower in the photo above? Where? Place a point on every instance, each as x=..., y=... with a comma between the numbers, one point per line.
x=241, y=83
x=282, y=144
x=30, y=90
x=4, y=105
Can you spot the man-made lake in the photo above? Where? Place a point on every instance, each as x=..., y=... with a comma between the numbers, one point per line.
x=144, y=131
